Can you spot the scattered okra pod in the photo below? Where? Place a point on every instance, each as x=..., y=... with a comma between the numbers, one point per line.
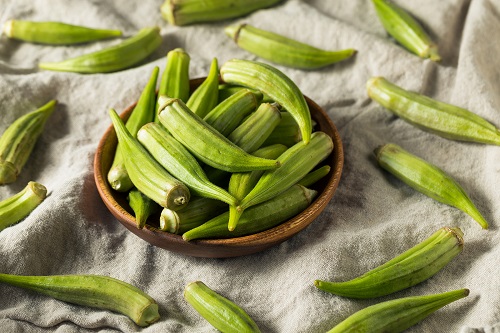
x=183, y=12
x=408, y=269
x=282, y=50
x=208, y=145
x=18, y=206
x=142, y=206
x=113, y=58
x=142, y=113
x=273, y=83
x=396, y=315
x=146, y=174
x=446, y=120
x=220, y=312
x=406, y=30
x=206, y=96
x=94, y=291
x=427, y=179
x=18, y=141
x=55, y=33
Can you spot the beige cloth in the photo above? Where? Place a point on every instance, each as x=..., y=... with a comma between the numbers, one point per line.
x=372, y=217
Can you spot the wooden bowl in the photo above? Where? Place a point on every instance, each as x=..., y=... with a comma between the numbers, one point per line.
x=219, y=248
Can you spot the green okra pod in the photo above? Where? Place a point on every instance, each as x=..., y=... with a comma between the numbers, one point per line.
x=427, y=179
x=273, y=83
x=257, y=218
x=183, y=12
x=205, y=97
x=198, y=211
x=296, y=162
x=406, y=30
x=55, y=33
x=17, y=207
x=142, y=113
x=207, y=144
x=446, y=120
x=286, y=133
x=113, y=58
x=408, y=269
x=147, y=175
x=226, y=90
x=314, y=176
x=396, y=315
x=283, y=50
x=18, y=141
x=174, y=81
x=142, y=206
x=95, y=291
x=177, y=160
x=227, y=115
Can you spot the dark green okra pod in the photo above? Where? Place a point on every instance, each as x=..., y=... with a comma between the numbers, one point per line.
x=408, y=269
x=55, y=33
x=142, y=206
x=396, y=315
x=427, y=179
x=312, y=177
x=286, y=133
x=206, y=96
x=282, y=50
x=446, y=120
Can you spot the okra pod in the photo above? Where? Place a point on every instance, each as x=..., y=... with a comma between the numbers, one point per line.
x=142, y=206
x=18, y=141
x=198, y=211
x=273, y=83
x=446, y=120
x=208, y=145
x=296, y=162
x=314, y=176
x=408, y=269
x=146, y=174
x=257, y=218
x=286, y=133
x=55, y=33
x=427, y=179
x=226, y=90
x=177, y=160
x=183, y=12
x=95, y=291
x=113, y=58
x=205, y=97
x=17, y=207
x=283, y=50
x=396, y=315
x=227, y=115
x=142, y=113
x=406, y=30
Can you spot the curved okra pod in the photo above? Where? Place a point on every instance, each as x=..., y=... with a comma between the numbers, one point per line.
x=408, y=269
x=313, y=176
x=257, y=218
x=206, y=96
x=96, y=291
x=446, y=120
x=296, y=162
x=406, y=30
x=146, y=174
x=396, y=315
x=220, y=312
x=177, y=160
x=282, y=50
x=427, y=179
x=18, y=141
x=208, y=145
x=55, y=33
x=142, y=206
x=228, y=114
x=18, y=206
x=183, y=12
x=273, y=83
x=142, y=113
x=113, y=58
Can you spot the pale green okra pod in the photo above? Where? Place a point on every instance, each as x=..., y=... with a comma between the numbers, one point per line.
x=55, y=33
x=286, y=133
x=17, y=207
x=206, y=96
x=427, y=179
x=446, y=120
x=282, y=50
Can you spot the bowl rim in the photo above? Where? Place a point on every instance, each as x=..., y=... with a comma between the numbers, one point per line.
x=220, y=247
